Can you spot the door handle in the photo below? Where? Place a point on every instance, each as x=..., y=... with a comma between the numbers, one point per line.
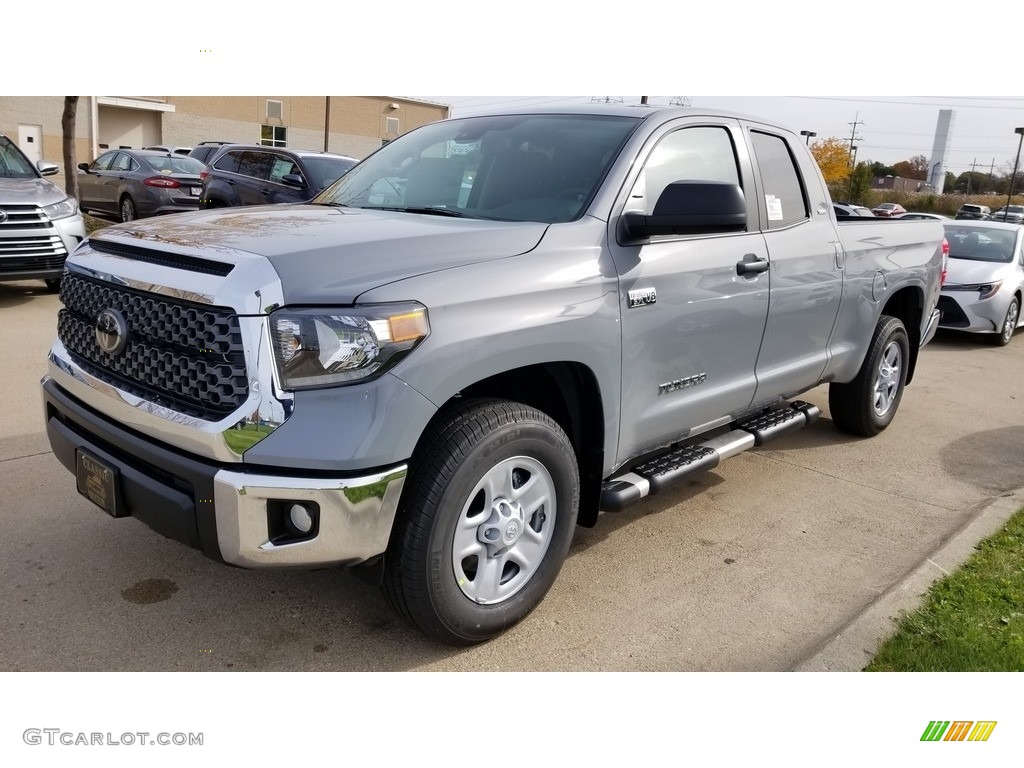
x=751, y=265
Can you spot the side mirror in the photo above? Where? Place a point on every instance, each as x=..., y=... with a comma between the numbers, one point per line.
x=47, y=169
x=691, y=208
x=83, y=167
x=293, y=180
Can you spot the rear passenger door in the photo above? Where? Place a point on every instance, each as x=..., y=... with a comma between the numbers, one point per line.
x=806, y=266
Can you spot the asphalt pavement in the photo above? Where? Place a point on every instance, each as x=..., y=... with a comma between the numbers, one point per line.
x=795, y=556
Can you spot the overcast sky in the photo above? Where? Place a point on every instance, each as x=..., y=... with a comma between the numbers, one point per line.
x=889, y=128
x=742, y=55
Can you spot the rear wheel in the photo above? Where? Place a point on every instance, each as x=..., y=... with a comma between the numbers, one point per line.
x=1002, y=337
x=485, y=523
x=53, y=284
x=866, y=405
x=128, y=212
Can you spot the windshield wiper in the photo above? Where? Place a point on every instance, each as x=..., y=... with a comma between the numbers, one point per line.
x=431, y=210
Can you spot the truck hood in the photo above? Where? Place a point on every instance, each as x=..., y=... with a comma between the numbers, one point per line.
x=330, y=255
x=29, y=192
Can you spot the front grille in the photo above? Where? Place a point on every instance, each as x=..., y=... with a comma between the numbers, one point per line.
x=185, y=356
x=18, y=264
x=23, y=217
x=952, y=315
x=23, y=247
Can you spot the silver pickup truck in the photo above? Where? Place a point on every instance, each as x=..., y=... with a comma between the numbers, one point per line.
x=486, y=333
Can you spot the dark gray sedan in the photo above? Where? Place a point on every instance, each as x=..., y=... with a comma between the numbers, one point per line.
x=136, y=183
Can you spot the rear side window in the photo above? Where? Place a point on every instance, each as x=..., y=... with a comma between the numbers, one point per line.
x=256, y=164
x=783, y=192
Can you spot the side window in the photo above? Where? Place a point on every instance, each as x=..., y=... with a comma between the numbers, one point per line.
x=102, y=163
x=229, y=163
x=783, y=192
x=122, y=163
x=701, y=153
x=256, y=164
x=282, y=167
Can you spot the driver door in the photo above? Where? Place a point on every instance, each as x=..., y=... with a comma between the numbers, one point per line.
x=692, y=316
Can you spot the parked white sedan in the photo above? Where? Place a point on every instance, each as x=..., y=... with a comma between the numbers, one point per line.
x=985, y=282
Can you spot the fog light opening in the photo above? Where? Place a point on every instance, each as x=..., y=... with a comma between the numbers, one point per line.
x=290, y=521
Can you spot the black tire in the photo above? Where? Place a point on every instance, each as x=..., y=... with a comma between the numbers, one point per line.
x=1002, y=337
x=866, y=405
x=53, y=284
x=127, y=210
x=499, y=581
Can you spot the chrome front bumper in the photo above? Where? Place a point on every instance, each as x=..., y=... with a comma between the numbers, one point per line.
x=356, y=515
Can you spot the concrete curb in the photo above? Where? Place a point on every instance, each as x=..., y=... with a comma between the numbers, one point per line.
x=859, y=639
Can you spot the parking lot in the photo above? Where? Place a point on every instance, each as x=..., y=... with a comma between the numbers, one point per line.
x=773, y=561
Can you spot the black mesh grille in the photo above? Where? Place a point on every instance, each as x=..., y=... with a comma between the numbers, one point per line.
x=186, y=356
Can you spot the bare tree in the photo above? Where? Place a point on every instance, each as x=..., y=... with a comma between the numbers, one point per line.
x=67, y=125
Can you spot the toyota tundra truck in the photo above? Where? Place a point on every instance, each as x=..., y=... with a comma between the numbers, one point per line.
x=487, y=333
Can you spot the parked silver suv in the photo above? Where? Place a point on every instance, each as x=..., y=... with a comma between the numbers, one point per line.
x=39, y=224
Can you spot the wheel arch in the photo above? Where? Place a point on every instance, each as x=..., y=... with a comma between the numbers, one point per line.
x=566, y=391
x=907, y=304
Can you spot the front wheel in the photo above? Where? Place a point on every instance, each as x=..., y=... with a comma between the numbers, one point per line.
x=485, y=522
x=1002, y=337
x=866, y=405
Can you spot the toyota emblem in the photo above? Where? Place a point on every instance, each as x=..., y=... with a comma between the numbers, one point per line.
x=111, y=331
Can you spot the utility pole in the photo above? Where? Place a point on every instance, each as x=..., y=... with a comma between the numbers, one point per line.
x=971, y=175
x=853, y=151
x=991, y=175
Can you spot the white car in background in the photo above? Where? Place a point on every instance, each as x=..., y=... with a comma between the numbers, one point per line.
x=985, y=282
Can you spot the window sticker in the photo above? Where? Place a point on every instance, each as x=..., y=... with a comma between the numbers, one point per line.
x=774, y=208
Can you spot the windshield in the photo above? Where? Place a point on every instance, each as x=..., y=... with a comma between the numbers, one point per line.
x=978, y=244
x=510, y=167
x=13, y=164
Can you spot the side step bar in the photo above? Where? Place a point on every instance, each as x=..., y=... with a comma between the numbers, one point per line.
x=669, y=468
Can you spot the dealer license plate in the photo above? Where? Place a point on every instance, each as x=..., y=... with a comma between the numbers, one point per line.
x=97, y=481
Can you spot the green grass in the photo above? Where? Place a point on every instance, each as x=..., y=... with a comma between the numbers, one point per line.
x=972, y=620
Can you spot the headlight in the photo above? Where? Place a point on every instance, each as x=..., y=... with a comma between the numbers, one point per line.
x=66, y=207
x=985, y=290
x=324, y=347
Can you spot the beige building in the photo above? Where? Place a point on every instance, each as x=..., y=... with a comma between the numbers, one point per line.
x=346, y=125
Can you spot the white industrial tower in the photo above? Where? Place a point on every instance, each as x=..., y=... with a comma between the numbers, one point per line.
x=937, y=165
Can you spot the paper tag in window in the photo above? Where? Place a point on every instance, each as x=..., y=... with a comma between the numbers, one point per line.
x=774, y=208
